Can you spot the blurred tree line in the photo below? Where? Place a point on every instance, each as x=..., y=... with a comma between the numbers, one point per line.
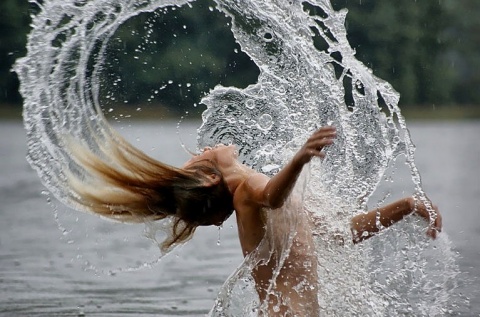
x=428, y=50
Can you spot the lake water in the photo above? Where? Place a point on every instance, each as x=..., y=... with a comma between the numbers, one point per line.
x=45, y=273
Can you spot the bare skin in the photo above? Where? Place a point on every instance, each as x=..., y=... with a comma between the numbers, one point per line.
x=255, y=193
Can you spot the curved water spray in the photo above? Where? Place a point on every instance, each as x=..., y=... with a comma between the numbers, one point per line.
x=307, y=72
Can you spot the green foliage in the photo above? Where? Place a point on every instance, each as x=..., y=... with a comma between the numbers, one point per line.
x=405, y=42
x=174, y=56
x=428, y=50
x=465, y=48
x=14, y=26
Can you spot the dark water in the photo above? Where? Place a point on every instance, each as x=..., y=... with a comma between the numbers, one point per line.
x=42, y=272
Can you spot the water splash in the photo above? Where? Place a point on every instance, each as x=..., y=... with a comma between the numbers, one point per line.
x=309, y=77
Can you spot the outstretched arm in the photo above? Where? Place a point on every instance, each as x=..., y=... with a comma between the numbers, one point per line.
x=364, y=226
x=273, y=192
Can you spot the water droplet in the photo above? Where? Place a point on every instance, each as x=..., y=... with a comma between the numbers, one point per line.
x=369, y=140
x=281, y=90
x=265, y=122
x=268, y=36
x=269, y=168
x=250, y=104
x=218, y=238
x=230, y=119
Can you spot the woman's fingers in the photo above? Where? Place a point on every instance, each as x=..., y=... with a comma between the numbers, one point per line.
x=323, y=136
x=315, y=144
x=437, y=224
x=316, y=152
x=432, y=233
x=320, y=143
x=438, y=220
x=327, y=131
x=435, y=227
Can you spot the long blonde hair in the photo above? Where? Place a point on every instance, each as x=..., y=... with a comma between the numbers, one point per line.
x=120, y=182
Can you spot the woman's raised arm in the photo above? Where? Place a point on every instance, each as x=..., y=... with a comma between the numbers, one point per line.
x=273, y=192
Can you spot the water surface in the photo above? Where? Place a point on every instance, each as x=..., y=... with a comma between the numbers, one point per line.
x=42, y=272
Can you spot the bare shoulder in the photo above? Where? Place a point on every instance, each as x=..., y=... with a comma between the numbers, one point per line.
x=249, y=207
x=249, y=194
x=257, y=182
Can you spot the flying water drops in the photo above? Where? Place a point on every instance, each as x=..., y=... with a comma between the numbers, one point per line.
x=299, y=89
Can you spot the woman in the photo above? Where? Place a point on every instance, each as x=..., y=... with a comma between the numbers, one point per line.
x=130, y=186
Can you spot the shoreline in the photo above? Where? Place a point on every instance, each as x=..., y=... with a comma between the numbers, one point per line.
x=150, y=113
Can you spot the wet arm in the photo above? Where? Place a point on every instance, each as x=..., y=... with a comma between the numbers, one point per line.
x=364, y=226
x=280, y=186
x=276, y=190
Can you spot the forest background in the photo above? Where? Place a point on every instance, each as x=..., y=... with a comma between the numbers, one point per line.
x=164, y=62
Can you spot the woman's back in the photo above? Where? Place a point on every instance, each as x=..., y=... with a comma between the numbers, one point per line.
x=286, y=275
x=279, y=247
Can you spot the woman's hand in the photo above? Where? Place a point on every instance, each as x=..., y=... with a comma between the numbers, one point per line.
x=274, y=192
x=420, y=209
x=315, y=144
